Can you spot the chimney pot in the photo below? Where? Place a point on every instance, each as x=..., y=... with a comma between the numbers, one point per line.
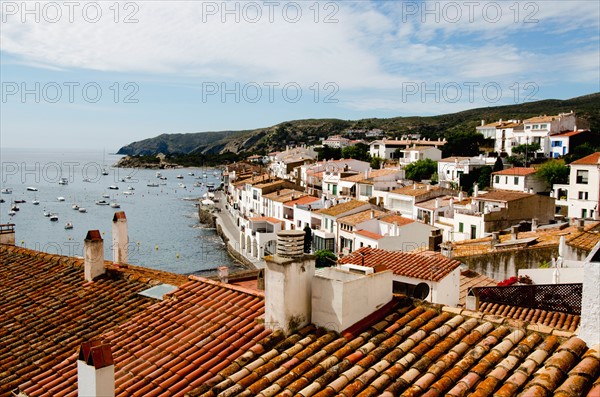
x=223, y=274
x=120, y=237
x=514, y=232
x=95, y=370
x=93, y=247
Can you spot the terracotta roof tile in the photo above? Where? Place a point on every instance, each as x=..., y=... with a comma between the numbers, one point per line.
x=393, y=218
x=368, y=234
x=342, y=208
x=48, y=309
x=519, y=171
x=563, y=321
x=360, y=217
x=422, y=266
x=592, y=159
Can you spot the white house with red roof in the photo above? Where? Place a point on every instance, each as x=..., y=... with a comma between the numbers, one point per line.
x=427, y=276
x=563, y=143
x=582, y=194
x=519, y=179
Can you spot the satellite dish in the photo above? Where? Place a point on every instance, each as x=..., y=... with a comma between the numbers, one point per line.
x=421, y=291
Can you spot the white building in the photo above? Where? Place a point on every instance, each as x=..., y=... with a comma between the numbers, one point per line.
x=563, y=143
x=417, y=153
x=336, y=141
x=539, y=129
x=582, y=194
x=520, y=179
x=451, y=168
x=386, y=148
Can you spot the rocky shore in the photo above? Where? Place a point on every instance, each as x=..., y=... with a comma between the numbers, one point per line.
x=157, y=162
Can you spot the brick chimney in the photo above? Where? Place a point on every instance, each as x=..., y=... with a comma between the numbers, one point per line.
x=435, y=239
x=288, y=283
x=7, y=234
x=93, y=250
x=223, y=274
x=120, y=237
x=95, y=370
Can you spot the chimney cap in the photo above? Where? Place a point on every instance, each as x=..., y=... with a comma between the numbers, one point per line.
x=93, y=235
x=96, y=354
x=119, y=215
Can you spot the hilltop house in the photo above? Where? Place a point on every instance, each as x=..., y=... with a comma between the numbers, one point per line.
x=519, y=179
x=386, y=149
x=581, y=196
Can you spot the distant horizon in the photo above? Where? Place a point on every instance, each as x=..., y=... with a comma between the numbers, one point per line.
x=189, y=67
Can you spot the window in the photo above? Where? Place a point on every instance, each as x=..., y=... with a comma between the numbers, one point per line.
x=556, y=143
x=584, y=213
x=497, y=179
x=582, y=177
x=255, y=195
x=461, y=227
x=583, y=195
x=473, y=231
x=516, y=180
x=543, y=126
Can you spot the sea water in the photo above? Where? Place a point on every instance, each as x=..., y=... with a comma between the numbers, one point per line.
x=164, y=232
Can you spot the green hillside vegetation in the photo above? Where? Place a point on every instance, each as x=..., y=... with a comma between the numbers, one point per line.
x=458, y=128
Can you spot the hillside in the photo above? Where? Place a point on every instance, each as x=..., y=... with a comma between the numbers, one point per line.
x=264, y=140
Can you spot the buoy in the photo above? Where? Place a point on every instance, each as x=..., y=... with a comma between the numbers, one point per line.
x=157, y=247
x=177, y=255
x=23, y=242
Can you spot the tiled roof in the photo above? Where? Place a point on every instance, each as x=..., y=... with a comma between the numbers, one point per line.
x=368, y=234
x=422, y=266
x=568, y=133
x=592, y=159
x=269, y=219
x=415, y=191
x=453, y=159
x=372, y=174
x=47, y=308
x=339, y=209
x=470, y=279
x=422, y=352
x=360, y=217
x=540, y=119
x=174, y=345
x=302, y=201
x=587, y=239
x=519, y=171
x=284, y=195
x=558, y=320
x=400, y=220
x=503, y=195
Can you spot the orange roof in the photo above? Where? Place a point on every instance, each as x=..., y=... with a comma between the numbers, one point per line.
x=558, y=320
x=503, y=195
x=400, y=220
x=174, y=345
x=360, y=217
x=541, y=119
x=411, y=190
x=340, y=209
x=368, y=234
x=518, y=171
x=302, y=200
x=592, y=159
x=422, y=266
x=269, y=219
x=47, y=309
x=568, y=133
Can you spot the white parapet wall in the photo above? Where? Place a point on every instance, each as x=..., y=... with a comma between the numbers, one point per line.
x=341, y=298
x=563, y=275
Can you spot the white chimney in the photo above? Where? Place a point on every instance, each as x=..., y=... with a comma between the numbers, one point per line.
x=223, y=274
x=288, y=284
x=93, y=250
x=590, y=300
x=461, y=196
x=428, y=187
x=476, y=190
x=437, y=202
x=372, y=214
x=95, y=370
x=396, y=231
x=482, y=123
x=120, y=237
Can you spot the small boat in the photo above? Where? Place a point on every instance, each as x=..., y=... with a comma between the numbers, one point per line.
x=32, y=189
x=191, y=174
x=123, y=180
x=53, y=218
x=63, y=181
x=127, y=176
x=6, y=190
x=181, y=185
x=105, y=195
x=36, y=202
x=46, y=213
x=12, y=213
x=68, y=225
x=101, y=202
x=130, y=188
x=127, y=193
x=14, y=207
x=163, y=183
x=19, y=201
x=197, y=184
x=82, y=210
x=1, y=200
x=152, y=185
x=61, y=198
x=113, y=187
x=163, y=178
x=179, y=176
x=104, y=171
x=87, y=180
x=158, y=174
x=75, y=207
x=114, y=204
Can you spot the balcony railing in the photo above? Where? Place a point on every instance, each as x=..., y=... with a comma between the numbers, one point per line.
x=564, y=298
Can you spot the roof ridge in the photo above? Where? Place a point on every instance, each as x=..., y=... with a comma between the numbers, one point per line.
x=233, y=287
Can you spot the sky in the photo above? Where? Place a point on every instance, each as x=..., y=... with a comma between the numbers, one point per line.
x=104, y=74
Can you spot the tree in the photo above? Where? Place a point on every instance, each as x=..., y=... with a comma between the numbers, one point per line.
x=360, y=151
x=498, y=165
x=325, y=258
x=463, y=143
x=485, y=173
x=554, y=171
x=328, y=153
x=526, y=150
x=421, y=169
x=307, y=239
x=376, y=162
